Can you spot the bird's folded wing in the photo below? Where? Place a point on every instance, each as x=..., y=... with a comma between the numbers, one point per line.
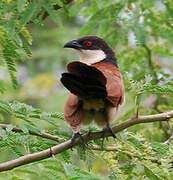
x=114, y=85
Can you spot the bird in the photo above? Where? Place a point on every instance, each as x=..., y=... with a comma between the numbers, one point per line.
x=95, y=84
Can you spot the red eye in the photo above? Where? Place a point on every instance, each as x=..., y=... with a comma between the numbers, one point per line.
x=88, y=43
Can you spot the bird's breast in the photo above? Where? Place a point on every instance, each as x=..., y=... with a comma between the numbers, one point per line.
x=93, y=104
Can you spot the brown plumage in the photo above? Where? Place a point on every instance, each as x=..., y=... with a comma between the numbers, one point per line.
x=78, y=111
x=96, y=89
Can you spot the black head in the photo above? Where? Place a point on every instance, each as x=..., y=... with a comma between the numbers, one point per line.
x=89, y=44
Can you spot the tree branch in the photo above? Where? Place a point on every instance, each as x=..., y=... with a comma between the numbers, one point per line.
x=88, y=136
x=43, y=135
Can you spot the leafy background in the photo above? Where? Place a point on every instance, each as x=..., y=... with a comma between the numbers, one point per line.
x=32, y=34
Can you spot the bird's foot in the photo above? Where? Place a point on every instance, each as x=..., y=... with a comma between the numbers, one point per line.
x=81, y=140
x=106, y=130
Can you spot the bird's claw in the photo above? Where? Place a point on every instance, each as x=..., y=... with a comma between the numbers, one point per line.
x=109, y=130
x=106, y=130
x=81, y=140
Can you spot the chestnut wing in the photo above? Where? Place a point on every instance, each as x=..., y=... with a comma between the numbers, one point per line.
x=114, y=85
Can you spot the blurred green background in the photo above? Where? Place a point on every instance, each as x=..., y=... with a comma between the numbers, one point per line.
x=39, y=76
x=140, y=33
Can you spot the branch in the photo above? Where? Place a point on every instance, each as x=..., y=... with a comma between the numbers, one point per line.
x=43, y=135
x=169, y=140
x=29, y=158
x=130, y=154
x=107, y=148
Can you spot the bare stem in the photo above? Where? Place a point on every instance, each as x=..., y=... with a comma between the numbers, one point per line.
x=43, y=135
x=169, y=140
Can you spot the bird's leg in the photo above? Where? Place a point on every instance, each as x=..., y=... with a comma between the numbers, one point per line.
x=108, y=129
x=81, y=140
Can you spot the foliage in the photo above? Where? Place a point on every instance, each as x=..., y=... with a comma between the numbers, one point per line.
x=136, y=158
x=141, y=34
x=15, y=37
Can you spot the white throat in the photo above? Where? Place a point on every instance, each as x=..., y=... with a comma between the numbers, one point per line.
x=91, y=56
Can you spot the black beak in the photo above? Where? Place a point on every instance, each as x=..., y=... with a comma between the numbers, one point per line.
x=73, y=44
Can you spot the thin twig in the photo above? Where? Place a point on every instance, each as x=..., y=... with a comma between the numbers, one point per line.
x=107, y=148
x=169, y=140
x=112, y=148
x=29, y=158
x=43, y=135
x=130, y=154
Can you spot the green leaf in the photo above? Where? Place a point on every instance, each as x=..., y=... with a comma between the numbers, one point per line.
x=4, y=106
x=1, y=118
x=26, y=48
x=16, y=151
x=66, y=156
x=165, y=89
x=28, y=14
x=9, y=128
x=2, y=86
x=49, y=119
x=137, y=27
x=75, y=9
x=33, y=128
x=57, y=115
x=154, y=171
x=24, y=128
x=160, y=149
x=73, y=171
x=11, y=26
x=21, y=5
x=136, y=143
x=26, y=171
x=104, y=15
x=3, y=134
x=150, y=174
x=49, y=8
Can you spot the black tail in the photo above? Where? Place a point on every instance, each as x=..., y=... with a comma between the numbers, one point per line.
x=85, y=81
